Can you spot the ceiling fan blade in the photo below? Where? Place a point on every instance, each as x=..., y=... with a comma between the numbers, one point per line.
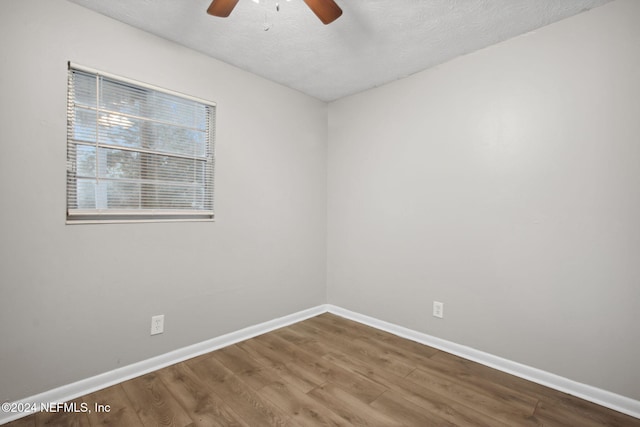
x=221, y=8
x=327, y=10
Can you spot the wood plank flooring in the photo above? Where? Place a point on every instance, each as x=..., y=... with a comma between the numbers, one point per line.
x=331, y=371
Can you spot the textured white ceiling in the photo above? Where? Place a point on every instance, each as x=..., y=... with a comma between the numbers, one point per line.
x=374, y=42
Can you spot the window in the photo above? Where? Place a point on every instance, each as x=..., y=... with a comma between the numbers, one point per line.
x=135, y=152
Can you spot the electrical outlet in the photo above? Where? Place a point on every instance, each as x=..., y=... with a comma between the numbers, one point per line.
x=157, y=324
x=438, y=309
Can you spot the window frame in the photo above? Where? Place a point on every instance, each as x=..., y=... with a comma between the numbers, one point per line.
x=75, y=215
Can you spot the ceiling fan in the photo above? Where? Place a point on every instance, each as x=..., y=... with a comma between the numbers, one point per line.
x=327, y=10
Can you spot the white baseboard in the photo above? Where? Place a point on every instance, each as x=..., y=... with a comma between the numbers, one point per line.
x=98, y=382
x=89, y=385
x=592, y=394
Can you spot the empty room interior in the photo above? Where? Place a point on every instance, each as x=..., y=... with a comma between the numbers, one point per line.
x=414, y=186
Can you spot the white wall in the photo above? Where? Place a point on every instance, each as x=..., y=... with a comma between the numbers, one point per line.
x=77, y=300
x=506, y=184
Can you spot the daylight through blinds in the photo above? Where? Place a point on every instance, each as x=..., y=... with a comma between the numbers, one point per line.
x=136, y=151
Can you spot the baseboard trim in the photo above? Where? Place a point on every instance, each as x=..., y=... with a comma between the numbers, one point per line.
x=593, y=394
x=89, y=385
x=107, y=379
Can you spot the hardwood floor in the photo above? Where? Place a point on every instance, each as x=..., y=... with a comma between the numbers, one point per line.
x=331, y=371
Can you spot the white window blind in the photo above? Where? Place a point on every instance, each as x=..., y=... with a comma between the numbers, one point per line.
x=135, y=152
